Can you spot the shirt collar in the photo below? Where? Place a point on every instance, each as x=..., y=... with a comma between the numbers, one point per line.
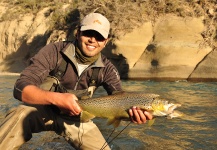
x=69, y=52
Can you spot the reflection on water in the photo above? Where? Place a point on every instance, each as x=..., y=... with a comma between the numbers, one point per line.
x=195, y=130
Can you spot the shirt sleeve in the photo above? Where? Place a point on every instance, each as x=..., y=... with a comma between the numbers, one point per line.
x=40, y=66
x=111, y=79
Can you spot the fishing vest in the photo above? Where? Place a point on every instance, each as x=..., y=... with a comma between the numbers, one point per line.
x=52, y=82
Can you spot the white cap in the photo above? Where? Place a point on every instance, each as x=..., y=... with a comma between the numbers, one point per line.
x=97, y=22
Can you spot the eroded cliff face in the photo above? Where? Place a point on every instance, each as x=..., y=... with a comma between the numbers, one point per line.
x=170, y=49
x=20, y=39
x=174, y=52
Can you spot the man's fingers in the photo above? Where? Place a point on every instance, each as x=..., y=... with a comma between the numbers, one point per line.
x=132, y=116
x=136, y=115
x=148, y=115
x=76, y=110
x=142, y=117
x=131, y=112
x=139, y=116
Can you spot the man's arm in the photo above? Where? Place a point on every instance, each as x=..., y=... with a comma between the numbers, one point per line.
x=65, y=101
x=27, y=89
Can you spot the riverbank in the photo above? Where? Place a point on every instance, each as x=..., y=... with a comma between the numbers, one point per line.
x=171, y=40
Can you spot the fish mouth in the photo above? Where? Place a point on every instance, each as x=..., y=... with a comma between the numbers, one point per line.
x=173, y=107
x=172, y=113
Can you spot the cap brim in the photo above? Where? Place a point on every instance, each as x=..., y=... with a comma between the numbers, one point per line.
x=95, y=28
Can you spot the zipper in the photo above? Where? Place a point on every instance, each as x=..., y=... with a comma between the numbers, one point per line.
x=79, y=77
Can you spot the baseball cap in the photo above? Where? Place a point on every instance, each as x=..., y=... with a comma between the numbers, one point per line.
x=97, y=22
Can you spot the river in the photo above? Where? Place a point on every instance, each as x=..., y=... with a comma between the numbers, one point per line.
x=197, y=129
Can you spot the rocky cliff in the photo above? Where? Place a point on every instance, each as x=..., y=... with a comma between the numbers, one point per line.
x=171, y=48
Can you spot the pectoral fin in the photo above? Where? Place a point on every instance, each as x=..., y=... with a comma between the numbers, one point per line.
x=114, y=121
x=151, y=122
x=86, y=116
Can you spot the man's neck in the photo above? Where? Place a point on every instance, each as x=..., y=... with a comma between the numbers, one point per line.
x=82, y=59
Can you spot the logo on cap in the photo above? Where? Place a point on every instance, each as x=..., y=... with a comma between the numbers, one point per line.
x=97, y=21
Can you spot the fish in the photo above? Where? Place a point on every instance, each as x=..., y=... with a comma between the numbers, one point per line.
x=115, y=107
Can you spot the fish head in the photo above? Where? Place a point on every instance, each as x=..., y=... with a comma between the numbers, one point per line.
x=163, y=108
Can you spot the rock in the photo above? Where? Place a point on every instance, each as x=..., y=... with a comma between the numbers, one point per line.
x=175, y=50
x=133, y=44
x=20, y=39
x=170, y=49
x=206, y=70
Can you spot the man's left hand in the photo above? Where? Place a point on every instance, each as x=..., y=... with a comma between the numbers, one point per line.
x=139, y=116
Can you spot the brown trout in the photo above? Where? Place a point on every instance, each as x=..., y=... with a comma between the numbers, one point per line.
x=115, y=107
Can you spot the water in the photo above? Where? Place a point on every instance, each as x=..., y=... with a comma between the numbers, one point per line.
x=196, y=130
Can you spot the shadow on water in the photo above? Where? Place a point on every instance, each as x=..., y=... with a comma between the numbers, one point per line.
x=195, y=130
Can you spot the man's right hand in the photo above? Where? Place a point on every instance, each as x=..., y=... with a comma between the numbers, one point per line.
x=64, y=101
x=68, y=105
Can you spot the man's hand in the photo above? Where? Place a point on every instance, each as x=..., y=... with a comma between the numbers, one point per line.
x=68, y=105
x=66, y=102
x=138, y=116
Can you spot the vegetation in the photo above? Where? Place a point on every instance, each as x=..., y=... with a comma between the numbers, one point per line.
x=124, y=15
x=128, y=14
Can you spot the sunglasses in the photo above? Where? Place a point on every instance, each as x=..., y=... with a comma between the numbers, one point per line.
x=92, y=33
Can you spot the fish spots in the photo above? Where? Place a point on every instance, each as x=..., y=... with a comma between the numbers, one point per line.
x=115, y=106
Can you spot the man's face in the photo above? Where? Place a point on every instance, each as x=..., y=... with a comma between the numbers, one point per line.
x=90, y=42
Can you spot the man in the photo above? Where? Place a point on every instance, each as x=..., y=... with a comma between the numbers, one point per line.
x=54, y=110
